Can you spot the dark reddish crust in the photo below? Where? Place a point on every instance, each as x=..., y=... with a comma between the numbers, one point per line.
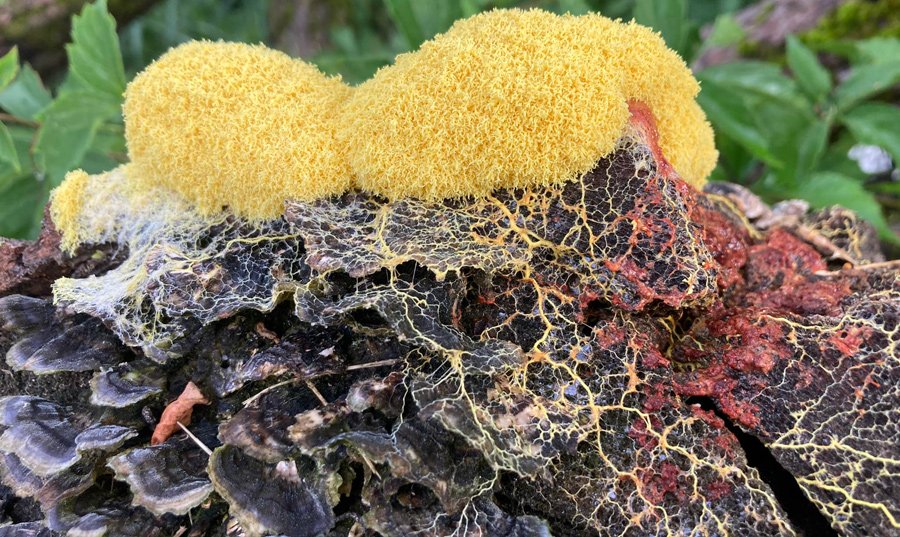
x=660, y=480
x=743, y=340
x=727, y=242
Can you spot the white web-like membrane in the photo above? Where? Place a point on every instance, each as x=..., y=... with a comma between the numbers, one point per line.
x=160, y=229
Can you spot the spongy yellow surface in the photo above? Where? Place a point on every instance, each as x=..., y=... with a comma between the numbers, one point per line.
x=236, y=125
x=66, y=206
x=514, y=98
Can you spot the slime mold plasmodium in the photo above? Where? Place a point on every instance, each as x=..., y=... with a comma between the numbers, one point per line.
x=480, y=294
x=237, y=126
x=519, y=98
x=505, y=99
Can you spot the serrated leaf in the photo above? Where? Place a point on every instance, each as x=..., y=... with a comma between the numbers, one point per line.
x=825, y=189
x=865, y=81
x=26, y=95
x=68, y=129
x=876, y=124
x=9, y=67
x=730, y=116
x=668, y=17
x=8, y=155
x=95, y=60
x=812, y=78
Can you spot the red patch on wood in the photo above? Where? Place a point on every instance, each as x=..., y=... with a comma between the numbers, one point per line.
x=850, y=339
x=716, y=382
x=761, y=342
x=718, y=489
x=656, y=483
x=781, y=278
x=726, y=242
x=656, y=397
x=642, y=119
x=644, y=437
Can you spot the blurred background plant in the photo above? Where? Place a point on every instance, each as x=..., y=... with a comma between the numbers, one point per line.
x=803, y=94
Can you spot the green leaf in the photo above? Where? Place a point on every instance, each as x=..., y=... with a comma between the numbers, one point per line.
x=9, y=67
x=866, y=81
x=810, y=148
x=837, y=159
x=809, y=73
x=876, y=124
x=26, y=96
x=668, y=17
x=575, y=7
x=95, y=61
x=22, y=137
x=435, y=16
x=726, y=31
x=69, y=126
x=469, y=7
x=8, y=155
x=22, y=203
x=757, y=79
x=404, y=17
x=730, y=116
x=876, y=50
x=107, y=149
x=825, y=189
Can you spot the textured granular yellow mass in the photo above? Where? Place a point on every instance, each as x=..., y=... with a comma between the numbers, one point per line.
x=514, y=98
x=66, y=204
x=238, y=126
x=508, y=98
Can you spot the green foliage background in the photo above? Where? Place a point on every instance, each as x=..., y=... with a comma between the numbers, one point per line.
x=784, y=125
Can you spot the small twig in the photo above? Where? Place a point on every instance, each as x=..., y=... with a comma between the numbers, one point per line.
x=894, y=264
x=823, y=244
x=370, y=465
x=196, y=440
x=380, y=363
x=269, y=389
x=316, y=392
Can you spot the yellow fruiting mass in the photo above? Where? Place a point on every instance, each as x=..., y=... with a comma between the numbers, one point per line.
x=508, y=98
x=242, y=126
x=66, y=204
x=514, y=98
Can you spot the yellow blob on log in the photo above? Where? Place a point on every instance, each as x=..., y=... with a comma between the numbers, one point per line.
x=514, y=98
x=66, y=206
x=508, y=98
x=238, y=126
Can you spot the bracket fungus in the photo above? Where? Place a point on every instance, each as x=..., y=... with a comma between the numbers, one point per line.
x=484, y=293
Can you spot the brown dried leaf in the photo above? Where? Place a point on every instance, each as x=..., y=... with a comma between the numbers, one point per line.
x=177, y=411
